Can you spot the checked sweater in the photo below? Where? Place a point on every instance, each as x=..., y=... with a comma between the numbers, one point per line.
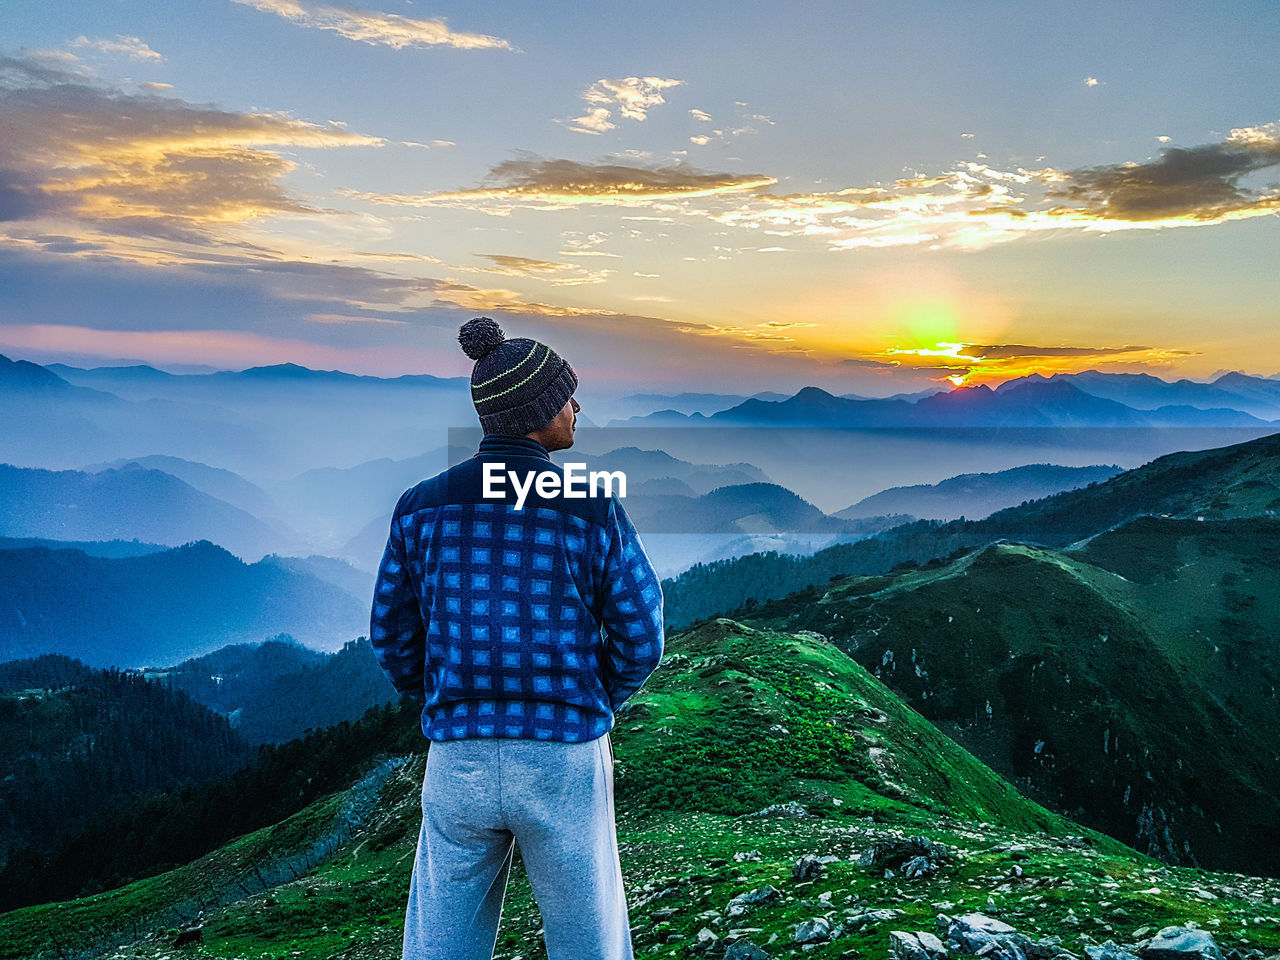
x=536, y=622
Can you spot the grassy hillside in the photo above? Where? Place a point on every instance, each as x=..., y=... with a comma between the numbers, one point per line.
x=696, y=757
x=1129, y=680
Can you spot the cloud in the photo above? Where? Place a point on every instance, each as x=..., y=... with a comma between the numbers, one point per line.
x=632, y=97
x=343, y=318
x=455, y=294
x=75, y=151
x=1091, y=81
x=560, y=274
x=1197, y=184
x=131, y=47
x=540, y=183
x=595, y=120
x=747, y=121
x=976, y=205
x=384, y=29
x=973, y=363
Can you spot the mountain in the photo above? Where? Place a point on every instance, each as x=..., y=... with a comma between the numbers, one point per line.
x=220, y=484
x=1218, y=483
x=335, y=503
x=641, y=465
x=77, y=734
x=976, y=495
x=265, y=423
x=740, y=508
x=752, y=762
x=704, y=403
x=162, y=607
x=1257, y=396
x=1030, y=403
x=338, y=573
x=95, y=548
x=124, y=503
x=1129, y=680
x=149, y=833
x=42, y=415
x=49, y=421
x=656, y=482
x=277, y=690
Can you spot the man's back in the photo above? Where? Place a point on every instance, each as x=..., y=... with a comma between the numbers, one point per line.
x=524, y=619
x=493, y=613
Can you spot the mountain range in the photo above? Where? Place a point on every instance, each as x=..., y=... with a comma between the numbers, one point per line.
x=162, y=607
x=1056, y=402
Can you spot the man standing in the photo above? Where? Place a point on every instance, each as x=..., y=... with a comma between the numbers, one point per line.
x=523, y=630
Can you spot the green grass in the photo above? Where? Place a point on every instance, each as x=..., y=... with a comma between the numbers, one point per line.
x=683, y=841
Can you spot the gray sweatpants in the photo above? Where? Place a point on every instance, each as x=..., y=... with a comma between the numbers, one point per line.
x=483, y=795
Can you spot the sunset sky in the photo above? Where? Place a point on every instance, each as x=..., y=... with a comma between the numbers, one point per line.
x=870, y=198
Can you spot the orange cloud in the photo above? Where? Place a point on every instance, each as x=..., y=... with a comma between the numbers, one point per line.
x=552, y=184
x=143, y=165
x=385, y=29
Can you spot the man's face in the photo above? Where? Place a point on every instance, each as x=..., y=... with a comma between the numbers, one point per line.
x=558, y=434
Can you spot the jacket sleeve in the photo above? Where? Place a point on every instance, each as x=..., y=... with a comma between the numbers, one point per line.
x=396, y=631
x=631, y=616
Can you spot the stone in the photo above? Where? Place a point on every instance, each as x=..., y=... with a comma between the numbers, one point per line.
x=914, y=857
x=744, y=950
x=813, y=931
x=806, y=868
x=1180, y=943
x=743, y=901
x=1108, y=950
x=788, y=809
x=915, y=946
x=975, y=933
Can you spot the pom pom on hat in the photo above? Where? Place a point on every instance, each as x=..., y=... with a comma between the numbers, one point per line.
x=479, y=336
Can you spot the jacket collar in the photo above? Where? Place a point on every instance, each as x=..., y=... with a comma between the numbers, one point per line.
x=512, y=446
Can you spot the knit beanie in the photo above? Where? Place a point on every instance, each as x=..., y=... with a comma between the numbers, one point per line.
x=518, y=385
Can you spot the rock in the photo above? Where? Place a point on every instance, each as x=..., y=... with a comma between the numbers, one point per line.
x=191, y=935
x=1051, y=948
x=860, y=918
x=915, y=857
x=806, y=868
x=915, y=946
x=1180, y=943
x=788, y=809
x=975, y=933
x=706, y=944
x=919, y=867
x=813, y=931
x=744, y=950
x=743, y=857
x=743, y=901
x=1109, y=950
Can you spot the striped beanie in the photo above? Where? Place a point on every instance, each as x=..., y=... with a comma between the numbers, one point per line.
x=519, y=385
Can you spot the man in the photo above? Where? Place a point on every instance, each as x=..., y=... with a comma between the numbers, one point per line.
x=523, y=630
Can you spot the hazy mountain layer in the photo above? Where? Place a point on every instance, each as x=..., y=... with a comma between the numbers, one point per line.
x=162, y=607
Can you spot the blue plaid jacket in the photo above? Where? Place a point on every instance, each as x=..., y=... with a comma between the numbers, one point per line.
x=536, y=623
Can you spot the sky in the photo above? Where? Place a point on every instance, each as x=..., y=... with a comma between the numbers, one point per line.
x=868, y=198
